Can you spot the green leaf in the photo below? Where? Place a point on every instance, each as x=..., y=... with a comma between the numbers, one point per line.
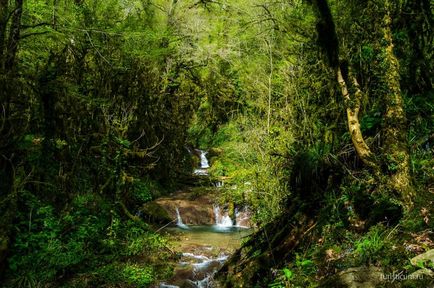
x=288, y=273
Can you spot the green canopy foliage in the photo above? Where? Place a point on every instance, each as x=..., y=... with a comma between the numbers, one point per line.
x=100, y=102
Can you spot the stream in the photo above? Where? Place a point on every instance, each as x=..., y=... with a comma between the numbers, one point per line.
x=203, y=249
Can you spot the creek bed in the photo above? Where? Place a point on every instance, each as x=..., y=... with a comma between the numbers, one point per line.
x=202, y=250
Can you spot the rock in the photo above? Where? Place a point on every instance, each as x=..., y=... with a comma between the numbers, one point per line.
x=361, y=277
x=243, y=218
x=425, y=259
x=195, y=209
x=188, y=284
x=421, y=274
x=154, y=212
x=421, y=278
x=195, y=206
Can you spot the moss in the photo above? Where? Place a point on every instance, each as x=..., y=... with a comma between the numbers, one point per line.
x=155, y=213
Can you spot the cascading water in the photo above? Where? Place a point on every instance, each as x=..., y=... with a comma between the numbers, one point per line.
x=222, y=220
x=204, y=249
x=203, y=161
x=219, y=184
x=199, y=243
x=164, y=285
x=179, y=222
x=204, y=164
x=202, y=267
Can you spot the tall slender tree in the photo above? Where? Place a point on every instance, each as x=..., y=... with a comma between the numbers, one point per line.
x=397, y=178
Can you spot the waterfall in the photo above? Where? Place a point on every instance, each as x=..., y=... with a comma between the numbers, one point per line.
x=219, y=184
x=203, y=161
x=222, y=220
x=204, y=165
x=179, y=222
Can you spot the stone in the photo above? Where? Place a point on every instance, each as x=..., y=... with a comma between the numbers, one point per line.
x=426, y=259
x=194, y=209
x=155, y=213
x=361, y=277
x=421, y=274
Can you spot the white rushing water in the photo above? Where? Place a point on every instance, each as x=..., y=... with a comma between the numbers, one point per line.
x=224, y=220
x=219, y=184
x=179, y=222
x=204, y=164
x=203, y=161
x=207, y=266
x=164, y=285
x=203, y=251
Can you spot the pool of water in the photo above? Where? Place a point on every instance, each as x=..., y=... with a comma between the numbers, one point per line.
x=202, y=250
x=215, y=237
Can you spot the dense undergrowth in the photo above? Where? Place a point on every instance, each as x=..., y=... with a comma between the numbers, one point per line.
x=101, y=102
x=86, y=244
x=356, y=222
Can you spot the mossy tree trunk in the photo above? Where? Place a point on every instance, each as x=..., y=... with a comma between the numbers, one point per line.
x=397, y=178
x=328, y=39
x=352, y=106
x=395, y=145
x=4, y=5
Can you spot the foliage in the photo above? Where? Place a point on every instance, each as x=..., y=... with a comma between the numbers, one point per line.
x=99, y=99
x=92, y=126
x=283, y=280
x=369, y=248
x=137, y=276
x=52, y=246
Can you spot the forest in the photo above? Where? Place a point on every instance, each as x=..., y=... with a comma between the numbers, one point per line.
x=216, y=143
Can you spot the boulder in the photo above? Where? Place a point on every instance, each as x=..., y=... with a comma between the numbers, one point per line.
x=155, y=213
x=361, y=277
x=423, y=273
x=424, y=259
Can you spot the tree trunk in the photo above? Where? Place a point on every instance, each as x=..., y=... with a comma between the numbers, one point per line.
x=329, y=41
x=14, y=36
x=3, y=23
x=395, y=122
x=8, y=209
x=352, y=104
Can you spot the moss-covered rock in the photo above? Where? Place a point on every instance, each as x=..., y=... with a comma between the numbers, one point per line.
x=155, y=213
x=424, y=259
x=363, y=277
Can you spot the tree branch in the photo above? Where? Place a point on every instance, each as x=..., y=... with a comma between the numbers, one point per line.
x=33, y=34
x=35, y=25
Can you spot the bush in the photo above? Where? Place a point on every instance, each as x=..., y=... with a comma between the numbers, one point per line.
x=54, y=246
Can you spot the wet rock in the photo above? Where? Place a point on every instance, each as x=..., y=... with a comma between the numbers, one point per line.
x=195, y=209
x=185, y=273
x=243, y=218
x=188, y=284
x=181, y=276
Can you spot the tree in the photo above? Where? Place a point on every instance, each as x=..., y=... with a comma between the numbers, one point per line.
x=395, y=143
x=10, y=21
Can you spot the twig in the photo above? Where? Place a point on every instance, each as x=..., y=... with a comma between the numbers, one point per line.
x=165, y=226
x=96, y=49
